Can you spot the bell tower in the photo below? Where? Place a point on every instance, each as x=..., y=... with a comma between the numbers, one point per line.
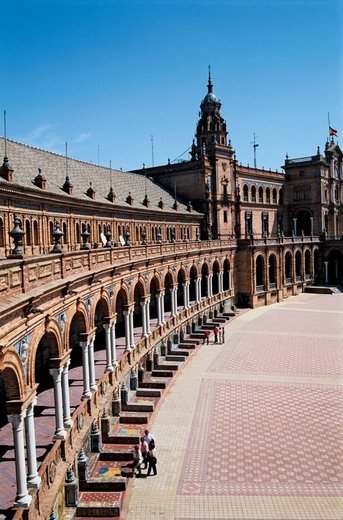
x=211, y=127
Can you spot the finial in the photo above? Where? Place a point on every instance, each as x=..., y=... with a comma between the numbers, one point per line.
x=209, y=85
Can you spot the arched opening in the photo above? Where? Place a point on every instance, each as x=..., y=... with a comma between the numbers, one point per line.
x=253, y=194
x=101, y=311
x=298, y=266
x=204, y=275
x=154, y=290
x=77, y=327
x=268, y=195
x=28, y=233
x=35, y=233
x=304, y=223
x=335, y=266
x=272, y=272
x=226, y=275
x=260, y=195
x=288, y=267
x=215, y=279
x=307, y=265
x=180, y=287
x=245, y=193
x=168, y=285
x=260, y=273
x=121, y=305
x=192, y=283
x=138, y=298
x=274, y=196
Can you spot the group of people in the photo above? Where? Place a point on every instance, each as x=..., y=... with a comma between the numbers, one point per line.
x=144, y=454
x=219, y=335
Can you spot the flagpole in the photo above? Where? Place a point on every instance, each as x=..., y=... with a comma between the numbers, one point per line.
x=329, y=123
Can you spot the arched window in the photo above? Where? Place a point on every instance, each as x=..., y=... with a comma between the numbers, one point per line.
x=2, y=233
x=51, y=230
x=268, y=195
x=35, y=233
x=65, y=232
x=253, y=194
x=245, y=193
x=28, y=233
x=259, y=273
x=260, y=195
x=274, y=196
x=77, y=233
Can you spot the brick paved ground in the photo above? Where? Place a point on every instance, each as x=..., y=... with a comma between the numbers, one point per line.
x=252, y=430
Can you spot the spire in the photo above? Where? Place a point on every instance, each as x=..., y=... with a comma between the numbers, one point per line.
x=209, y=84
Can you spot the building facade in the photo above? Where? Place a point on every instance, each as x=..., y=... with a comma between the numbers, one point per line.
x=100, y=264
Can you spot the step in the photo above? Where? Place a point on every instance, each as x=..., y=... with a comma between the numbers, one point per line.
x=196, y=335
x=219, y=320
x=133, y=418
x=178, y=353
x=162, y=373
x=176, y=357
x=125, y=435
x=137, y=407
x=120, y=455
x=98, y=504
x=102, y=484
x=153, y=384
x=229, y=314
x=167, y=366
x=191, y=345
x=148, y=392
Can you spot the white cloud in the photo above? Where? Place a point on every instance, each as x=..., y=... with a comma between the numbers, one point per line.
x=82, y=137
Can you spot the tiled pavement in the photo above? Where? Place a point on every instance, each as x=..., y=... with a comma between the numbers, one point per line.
x=253, y=429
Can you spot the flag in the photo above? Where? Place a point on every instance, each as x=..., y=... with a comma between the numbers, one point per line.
x=332, y=131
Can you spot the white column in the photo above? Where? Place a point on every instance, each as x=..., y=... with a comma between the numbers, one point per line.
x=127, y=331
x=113, y=344
x=22, y=499
x=159, y=309
x=221, y=285
x=148, y=328
x=144, y=319
x=92, y=380
x=184, y=285
x=175, y=299
x=67, y=420
x=208, y=278
x=85, y=366
x=60, y=432
x=197, y=296
x=162, y=308
x=132, y=338
x=172, y=301
x=33, y=479
x=107, y=329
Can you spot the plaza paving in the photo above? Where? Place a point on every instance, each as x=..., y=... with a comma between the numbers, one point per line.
x=252, y=429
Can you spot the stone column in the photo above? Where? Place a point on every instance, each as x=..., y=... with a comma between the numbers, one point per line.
x=175, y=300
x=144, y=319
x=311, y=222
x=107, y=329
x=22, y=499
x=127, y=331
x=60, y=432
x=172, y=301
x=67, y=420
x=162, y=307
x=33, y=479
x=159, y=309
x=208, y=285
x=295, y=227
x=148, y=316
x=113, y=343
x=132, y=338
x=85, y=366
x=92, y=380
x=220, y=282
x=326, y=272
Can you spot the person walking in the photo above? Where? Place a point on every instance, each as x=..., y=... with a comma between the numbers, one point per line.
x=152, y=461
x=223, y=335
x=207, y=336
x=215, y=331
x=137, y=461
x=150, y=439
x=144, y=451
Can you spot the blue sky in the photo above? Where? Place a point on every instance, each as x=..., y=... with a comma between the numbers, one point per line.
x=122, y=80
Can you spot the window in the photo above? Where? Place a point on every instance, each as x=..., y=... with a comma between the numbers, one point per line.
x=225, y=216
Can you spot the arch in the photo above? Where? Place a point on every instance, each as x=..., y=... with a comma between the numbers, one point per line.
x=268, y=195
x=193, y=275
x=35, y=233
x=245, y=193
x=168, y=285
x=100, y=312
x=307, y=264
x=272, y=271
x=260, y=275
x=260, y=195
x=13, y=375
x=181, y=278
x=77, y=326
x=215, y=279
x=288, y=267
x=274, y=196
x=154, y=289
x=204, y=275
x=304, y=222
x=298, y=259
x=253, y=194
x=226, y=275
x=28, y=239
x=138, y=297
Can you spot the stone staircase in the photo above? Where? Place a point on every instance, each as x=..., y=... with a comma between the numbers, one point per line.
x=102, y=490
